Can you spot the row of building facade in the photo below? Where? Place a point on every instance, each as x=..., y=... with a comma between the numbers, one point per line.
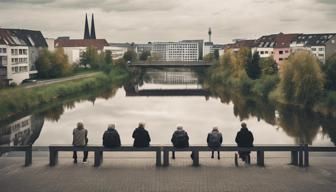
x=281, y=46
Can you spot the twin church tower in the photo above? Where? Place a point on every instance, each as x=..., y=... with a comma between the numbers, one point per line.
x=87, y=34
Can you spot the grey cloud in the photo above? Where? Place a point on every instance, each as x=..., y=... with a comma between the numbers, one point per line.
x=104, y=5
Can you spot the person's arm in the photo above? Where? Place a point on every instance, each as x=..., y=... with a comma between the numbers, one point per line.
x=148, y=137
x=134, y=134
x=173, y=138
x=237, y=138
x=73, y=133
x=208, y=137
x=118, y=139
x=86, y=136
x=221, y=139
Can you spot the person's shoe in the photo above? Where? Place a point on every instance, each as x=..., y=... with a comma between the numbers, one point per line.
x=218, y=157
x=212, y=156
x=173, y=157
x=75, y=161
x=84, y=161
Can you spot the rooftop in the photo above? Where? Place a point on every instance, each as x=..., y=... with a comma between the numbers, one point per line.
x=98, y=43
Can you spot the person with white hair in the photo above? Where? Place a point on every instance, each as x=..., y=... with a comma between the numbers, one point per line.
x=111, y=137
x=141, y=136
x=80, y=139
x=215, y=140
x=180, y=139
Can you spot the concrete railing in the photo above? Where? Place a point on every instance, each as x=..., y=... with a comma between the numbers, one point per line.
x=299, y=153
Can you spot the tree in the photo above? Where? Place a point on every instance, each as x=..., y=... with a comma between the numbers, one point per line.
x=252, y=66
x=52, y=64
x=268, y=66
x=130, y=55
x=144, y=55
x=216, y=54
x=90, y=57
x=208, y=57
x=107, y=65
x=301, y=79
x=329, y=70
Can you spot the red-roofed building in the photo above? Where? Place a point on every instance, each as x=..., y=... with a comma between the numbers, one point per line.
x=74, y=47
x=282, y=48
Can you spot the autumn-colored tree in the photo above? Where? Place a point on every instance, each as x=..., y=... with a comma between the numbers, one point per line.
x=301, y=79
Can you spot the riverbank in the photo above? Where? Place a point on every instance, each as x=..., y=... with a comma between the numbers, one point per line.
x=20, y=100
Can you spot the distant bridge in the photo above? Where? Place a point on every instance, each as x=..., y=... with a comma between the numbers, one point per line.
x=170, y=64
x=168, y=92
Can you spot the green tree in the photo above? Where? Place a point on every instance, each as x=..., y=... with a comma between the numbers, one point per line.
x=107, y=65
x=301, y=79
x=329, y=70
x=43, y=63
x=90, y=57
x=208, y=57
x=130, y=55
x=144, y=55
x=52, y=64
x=216, y=54
x=268, y=66
x=252, y=66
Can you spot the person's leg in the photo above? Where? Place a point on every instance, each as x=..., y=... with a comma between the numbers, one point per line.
x=173, y=154
x=75, y=156
x=86, y=153
x=218, y=155
x=212, y=154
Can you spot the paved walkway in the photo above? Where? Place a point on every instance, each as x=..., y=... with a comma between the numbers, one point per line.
x=41, y=83
x=139, y=174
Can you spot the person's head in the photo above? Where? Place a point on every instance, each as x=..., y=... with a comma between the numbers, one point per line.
x=215, y=129
x=141, y=125
x=111, y=126
x=243, y=125
x=179, y=127
x=80, y=125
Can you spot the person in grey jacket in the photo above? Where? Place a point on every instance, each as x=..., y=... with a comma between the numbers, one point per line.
x=80, y=140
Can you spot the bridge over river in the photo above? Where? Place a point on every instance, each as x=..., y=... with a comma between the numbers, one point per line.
x=175, y=64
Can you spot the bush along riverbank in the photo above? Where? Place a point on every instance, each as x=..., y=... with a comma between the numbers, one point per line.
x=20, y=100
x=301, y=81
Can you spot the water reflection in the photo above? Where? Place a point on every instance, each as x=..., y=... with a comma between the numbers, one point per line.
x=221, y=106
x=23, y=131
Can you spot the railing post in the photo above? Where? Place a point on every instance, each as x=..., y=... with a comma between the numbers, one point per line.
x=306, y=156
x=97, y=158
x=53, y=157
x=158, y=157
x=195, y=158
x=260, y=158
x=28, y=156
x=294, y=158
x=165, y=157
x=301, y=156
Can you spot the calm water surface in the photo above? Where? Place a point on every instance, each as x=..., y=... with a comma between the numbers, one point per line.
x=162, y=100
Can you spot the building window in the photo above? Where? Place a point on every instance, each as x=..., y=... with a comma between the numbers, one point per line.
x=321, y=55
x=321, y=49
x=313, y=49
x=261, y=52
x=266, y=52
x=280, y=52
x=280, y=59
x=286, y=51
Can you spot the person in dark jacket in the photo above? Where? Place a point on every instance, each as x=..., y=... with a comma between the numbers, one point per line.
x=141, y=136
x=180, y=139
x=244, y=138
x=111, y=137
x=215, y=140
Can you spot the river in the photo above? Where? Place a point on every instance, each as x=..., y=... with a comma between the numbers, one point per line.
x=162, y=99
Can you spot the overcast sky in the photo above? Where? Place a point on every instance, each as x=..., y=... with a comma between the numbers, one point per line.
x=170, y=20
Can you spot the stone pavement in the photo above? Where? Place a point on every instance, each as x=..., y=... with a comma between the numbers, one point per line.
x=129, y=172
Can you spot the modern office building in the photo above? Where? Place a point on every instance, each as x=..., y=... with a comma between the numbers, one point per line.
x=176, y=51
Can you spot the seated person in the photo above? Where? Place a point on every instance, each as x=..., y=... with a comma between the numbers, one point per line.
x=180, y=139
x=215, y=140
x=141, y=136
x=244, y=138
x=111, y=137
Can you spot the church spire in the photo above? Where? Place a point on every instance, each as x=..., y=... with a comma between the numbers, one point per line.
x=86, y=29
x=93, y=30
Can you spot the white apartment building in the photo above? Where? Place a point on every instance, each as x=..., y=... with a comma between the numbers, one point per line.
x=117, y=49
x=176, y=51
x=14, y=62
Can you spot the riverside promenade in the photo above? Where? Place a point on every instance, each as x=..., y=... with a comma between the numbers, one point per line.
x=137, y=172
